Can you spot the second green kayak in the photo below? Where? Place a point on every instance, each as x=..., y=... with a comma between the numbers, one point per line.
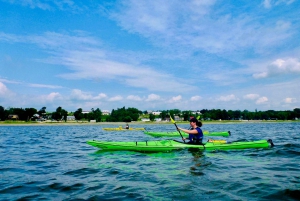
x=176, y=134
x=169, y=145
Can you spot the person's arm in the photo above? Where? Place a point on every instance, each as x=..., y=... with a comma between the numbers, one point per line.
x=194, y=131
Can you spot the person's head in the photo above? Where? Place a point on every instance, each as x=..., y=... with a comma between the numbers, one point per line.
x=195, y=121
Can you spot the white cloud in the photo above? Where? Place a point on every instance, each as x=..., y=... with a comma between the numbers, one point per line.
x=153, y=97
x=47, y=5
x=134, y=98
x=13, y=99
x=289, y=100
x=45, y=86
x=85, y=59
x=53, y=96
x=230, y=97
x=31, y=84
x=9, y=81
x=100, y=96
x=175, y=99
x=196, y=98
x=116, y=98
x=190, y=28
x=280, y=67
x=197, y=25
x=3, y=89
x=260, y=75
x=251, y=96
x=262, y=100
x=88, y=64
x=54, y=41
x=77, y=94
x=267, y=3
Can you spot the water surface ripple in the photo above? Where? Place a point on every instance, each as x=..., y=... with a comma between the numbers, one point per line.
x=55, y=163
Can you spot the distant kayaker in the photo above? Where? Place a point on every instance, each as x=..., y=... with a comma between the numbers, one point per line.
x=195, y=132
x=127, y=126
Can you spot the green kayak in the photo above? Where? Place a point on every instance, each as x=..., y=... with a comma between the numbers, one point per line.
x=176, y=134
x=169, y=145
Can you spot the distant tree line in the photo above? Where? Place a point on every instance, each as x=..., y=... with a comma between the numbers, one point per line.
x=60, y=114
x=247, y=115
x=133, y=114
x=124, y=115
x=216, y=114
x=93, y=115
x=28, y=114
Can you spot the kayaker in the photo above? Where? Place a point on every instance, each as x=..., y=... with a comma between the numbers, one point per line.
x=195, y=132
x=127, y=126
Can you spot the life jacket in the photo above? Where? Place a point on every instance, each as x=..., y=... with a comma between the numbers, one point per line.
x=198, y=137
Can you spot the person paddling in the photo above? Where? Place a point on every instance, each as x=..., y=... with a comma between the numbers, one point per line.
x=195, y=133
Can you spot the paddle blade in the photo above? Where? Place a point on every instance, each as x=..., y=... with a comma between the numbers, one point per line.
x=172, y=120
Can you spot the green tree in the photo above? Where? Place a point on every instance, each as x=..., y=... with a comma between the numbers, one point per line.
x=29, y=112
x=163, y=115
x=175, y=112
x=127, y=119
x=224, y=114
x=237, y=114
x=42, y=111
x=2, y=114
x=186, y=115
x=60, y=114
x=18, y=111
x=78, y=114
x=134, y=113
x=98, y=115
x=95, y=115
x=296, y=113
x=151, y=117
x=122, y=114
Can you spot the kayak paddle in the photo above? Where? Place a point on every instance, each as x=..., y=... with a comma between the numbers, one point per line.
x=177, y=128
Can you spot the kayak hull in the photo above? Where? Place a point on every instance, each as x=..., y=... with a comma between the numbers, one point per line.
x=176, y=134
x=170, y=145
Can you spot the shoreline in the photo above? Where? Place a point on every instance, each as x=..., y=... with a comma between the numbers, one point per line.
x=75, y=123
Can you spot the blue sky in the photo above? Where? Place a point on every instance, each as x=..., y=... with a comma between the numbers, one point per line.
x=151, y=55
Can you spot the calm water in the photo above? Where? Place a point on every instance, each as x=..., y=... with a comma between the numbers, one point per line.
x=55, y=163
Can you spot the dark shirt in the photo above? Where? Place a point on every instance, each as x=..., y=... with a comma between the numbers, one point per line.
x=196, y=137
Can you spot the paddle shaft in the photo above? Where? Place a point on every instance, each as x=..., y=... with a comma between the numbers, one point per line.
x=179, y=132
x=177, y=128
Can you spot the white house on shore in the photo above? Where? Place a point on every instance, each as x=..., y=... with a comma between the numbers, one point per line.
x=71, y=118
x=196, y=112
x=105, y=112
x=145, y=119
x=156, y=113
